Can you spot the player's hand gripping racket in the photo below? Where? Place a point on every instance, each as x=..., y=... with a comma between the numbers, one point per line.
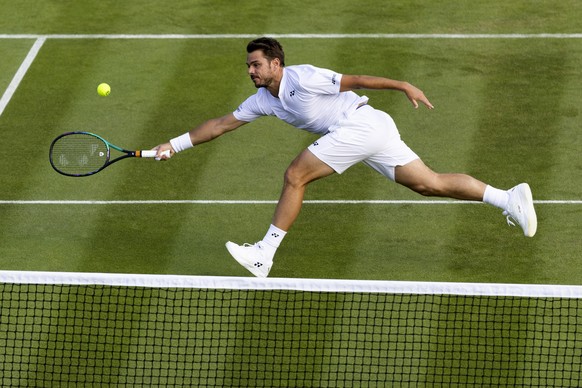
x=84, y=153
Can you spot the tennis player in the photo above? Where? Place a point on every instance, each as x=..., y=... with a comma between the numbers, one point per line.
x=323, y=102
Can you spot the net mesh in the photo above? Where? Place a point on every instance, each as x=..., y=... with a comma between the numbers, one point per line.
x=103, y=335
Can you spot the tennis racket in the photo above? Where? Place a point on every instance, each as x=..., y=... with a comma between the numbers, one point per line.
x=84, y=153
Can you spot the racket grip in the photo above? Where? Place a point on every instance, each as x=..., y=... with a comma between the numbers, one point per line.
x=153, y=153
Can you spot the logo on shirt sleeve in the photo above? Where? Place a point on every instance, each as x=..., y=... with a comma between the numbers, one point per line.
x=333, y=80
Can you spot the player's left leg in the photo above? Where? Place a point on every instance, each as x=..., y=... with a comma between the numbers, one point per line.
x=418, y=177
x=517, y=203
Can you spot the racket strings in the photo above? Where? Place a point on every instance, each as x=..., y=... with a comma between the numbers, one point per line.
x=79, y=154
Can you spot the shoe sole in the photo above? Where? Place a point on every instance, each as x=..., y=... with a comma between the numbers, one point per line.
x=232, y=248
x=526, y=198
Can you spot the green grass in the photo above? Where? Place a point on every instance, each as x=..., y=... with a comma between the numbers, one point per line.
x=490, y=121
x=507, y=111
x=297, y=16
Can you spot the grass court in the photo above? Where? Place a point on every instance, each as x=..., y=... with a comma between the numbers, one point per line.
x=504, y=78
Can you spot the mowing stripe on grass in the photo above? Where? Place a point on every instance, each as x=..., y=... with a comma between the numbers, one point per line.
x=293, y=36
x=21, y=73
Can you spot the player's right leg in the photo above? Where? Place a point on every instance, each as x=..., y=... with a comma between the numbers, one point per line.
x=258, y=258
x=305, y=169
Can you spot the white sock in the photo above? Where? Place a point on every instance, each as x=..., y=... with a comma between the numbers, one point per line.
x=496, y=197
x=274, y=237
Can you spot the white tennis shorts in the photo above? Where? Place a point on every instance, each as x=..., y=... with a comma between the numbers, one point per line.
x=366, y=135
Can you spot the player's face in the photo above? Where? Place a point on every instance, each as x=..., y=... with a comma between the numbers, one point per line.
x=260, y=70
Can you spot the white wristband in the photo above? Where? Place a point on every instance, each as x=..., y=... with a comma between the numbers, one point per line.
x=182, y=142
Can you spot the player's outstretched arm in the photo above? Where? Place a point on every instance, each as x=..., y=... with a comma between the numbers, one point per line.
x=354, y=82
x=207, y=131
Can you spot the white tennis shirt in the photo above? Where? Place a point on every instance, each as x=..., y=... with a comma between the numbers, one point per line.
x=309, y=98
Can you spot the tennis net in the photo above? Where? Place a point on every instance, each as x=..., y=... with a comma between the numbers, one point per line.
x=82, y=329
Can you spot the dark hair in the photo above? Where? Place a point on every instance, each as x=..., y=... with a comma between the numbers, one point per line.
x=270, y=47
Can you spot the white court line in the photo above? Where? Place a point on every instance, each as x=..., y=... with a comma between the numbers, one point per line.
x=7, y=96
x=40, y=39
x=265, y=202
x=294, y=36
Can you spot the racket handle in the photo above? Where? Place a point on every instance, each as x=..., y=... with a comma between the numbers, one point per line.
x=153, y=153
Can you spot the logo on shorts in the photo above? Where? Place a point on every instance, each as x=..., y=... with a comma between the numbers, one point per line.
x=292, y=93
x=315, y=143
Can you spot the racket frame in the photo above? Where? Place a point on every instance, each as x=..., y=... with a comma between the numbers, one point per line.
x=108, y=161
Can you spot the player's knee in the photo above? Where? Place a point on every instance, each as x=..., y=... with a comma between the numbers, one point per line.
x=305, y=169
x=293, y=176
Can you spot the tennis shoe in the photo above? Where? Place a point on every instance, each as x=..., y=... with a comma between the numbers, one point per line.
x=255, y=258
x=520, y=209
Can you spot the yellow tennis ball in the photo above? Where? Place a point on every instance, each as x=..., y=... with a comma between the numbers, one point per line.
x=103, y=89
